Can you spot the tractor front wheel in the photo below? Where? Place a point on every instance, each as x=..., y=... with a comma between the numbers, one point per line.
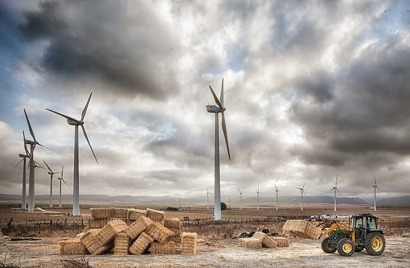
x=327, y=247
x=345, y=247
x=375, y=244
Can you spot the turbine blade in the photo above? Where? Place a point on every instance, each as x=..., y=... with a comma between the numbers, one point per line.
x=18, y=163
x=85, y=108
x=62, y=171
x=86, y=137
x=336, y=182
x=48, y=167
x=276, y=187
x=225, y=135
x=29, y=126
x=43, y=146
x=221, y=98
x=378, y=187
x=303, y=187
x=338, y=191
x=374, y=179
x=215, y=98
x=63, y=115
x=64, y=182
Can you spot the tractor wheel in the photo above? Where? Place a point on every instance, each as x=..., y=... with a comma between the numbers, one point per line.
x=375, y=244
x=345, y=247
x=327, y=247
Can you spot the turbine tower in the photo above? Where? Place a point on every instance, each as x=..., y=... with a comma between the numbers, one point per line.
x=61, y=179
x=33, y=144
x=374, y=192
x=277, y=197
x=76, y=123
x=334, y=189
x=240, y=195
x=24, y=160
x=51, y=173
x=216, y=110
x=302, y=193
x=257, y=198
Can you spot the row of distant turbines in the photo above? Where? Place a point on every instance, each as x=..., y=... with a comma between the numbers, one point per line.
x=33, y=164
x=302, y=194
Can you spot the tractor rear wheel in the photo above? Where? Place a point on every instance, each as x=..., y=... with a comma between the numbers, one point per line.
x=327, y=247
x=375, y=244
x=345, y=247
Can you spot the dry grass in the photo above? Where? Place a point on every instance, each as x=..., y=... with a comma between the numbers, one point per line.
x=83, y=263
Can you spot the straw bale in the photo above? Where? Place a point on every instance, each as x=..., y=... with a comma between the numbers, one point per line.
x=268, y=242
x=156, y=215
x=259, y=235
x=137, y=227
x=89, y=240
x=188, y=243
x=134, y=214
x=103, y=249
x=302, y=229
x=250, y=242
x=100, y=213
x=174, y=223
x=162, y=248
x=72, y=247
x=96, y=223
x=121, y=244
x=280, y=241
x=108, y=233
x=141, y=244
x=119, y=213
x=159, y=232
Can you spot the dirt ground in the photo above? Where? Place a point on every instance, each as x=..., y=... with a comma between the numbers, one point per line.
x=212, y=251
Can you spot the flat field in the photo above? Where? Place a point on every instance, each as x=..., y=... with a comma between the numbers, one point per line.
x=217, y=243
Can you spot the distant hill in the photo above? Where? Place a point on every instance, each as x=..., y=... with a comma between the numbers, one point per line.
x=401, y=200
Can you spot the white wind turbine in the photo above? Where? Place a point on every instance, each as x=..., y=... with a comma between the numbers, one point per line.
x=24, y=160
x=216, y=110
x=240, y=195
x=334, y=189
x=374, y=192
x=61, y=179
x=207, y=198
x=257, y=198
x=51, y=173
x=76, y=123
x=32, y=165
x=277, y=197
x=302, y=193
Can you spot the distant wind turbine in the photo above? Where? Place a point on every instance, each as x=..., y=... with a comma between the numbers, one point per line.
x=334, y=189
x=216, y=110
x=24, y=183
x=76, y=123
x=302, y=193
x=32, y=165
x=374, y=192
x=257, y=198
x=61, y=179
x=207, y=198
x=51, y=173
x=277, y=197
x=240, y=195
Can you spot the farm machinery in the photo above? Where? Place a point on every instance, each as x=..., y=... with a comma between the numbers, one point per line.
x=361, y=233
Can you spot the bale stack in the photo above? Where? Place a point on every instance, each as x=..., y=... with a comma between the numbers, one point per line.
x=159, y=232
x=92, y=244
x=266, y=241
x=163, y=248
x=188, y=243
x=72, y=247
x=134, y=214
x=302, y=229
x=250, y=242
x=175, y=226
x=141, y=244
x=280, y=241
x=121, y=244
x=137, y=227
x=156, y=215
x=108, y=233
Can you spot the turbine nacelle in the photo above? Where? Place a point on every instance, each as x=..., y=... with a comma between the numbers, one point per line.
x=215, y=109
x=74, y=122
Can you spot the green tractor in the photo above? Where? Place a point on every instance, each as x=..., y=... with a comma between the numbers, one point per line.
x=361, y=233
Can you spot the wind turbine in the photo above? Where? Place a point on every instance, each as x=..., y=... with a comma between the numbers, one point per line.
x=277, y=197
x=334, y=189
x=207, y=198
x=51, y=173
x=374, y=192
x=32, y=165
x=76, y=123
x=257, y=198
x=61, y=179
x=216, y=110
x=302, y=193
x=240, y=195
x=24, y=160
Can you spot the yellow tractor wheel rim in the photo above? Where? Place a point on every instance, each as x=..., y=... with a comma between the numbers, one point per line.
x=347, y=247
x=377, y=243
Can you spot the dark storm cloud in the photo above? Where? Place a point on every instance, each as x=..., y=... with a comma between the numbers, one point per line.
x=82, y=44
x=369, y=113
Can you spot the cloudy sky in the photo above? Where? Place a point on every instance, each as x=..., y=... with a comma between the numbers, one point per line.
x=313, y=90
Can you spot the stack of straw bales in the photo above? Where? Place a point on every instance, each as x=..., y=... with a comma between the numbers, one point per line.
x=188, y=243
x=260, y=239
x=250, y=242
x=130, y=231
x=302, y=229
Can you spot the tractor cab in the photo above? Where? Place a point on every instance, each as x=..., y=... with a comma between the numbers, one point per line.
x=363, y=224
